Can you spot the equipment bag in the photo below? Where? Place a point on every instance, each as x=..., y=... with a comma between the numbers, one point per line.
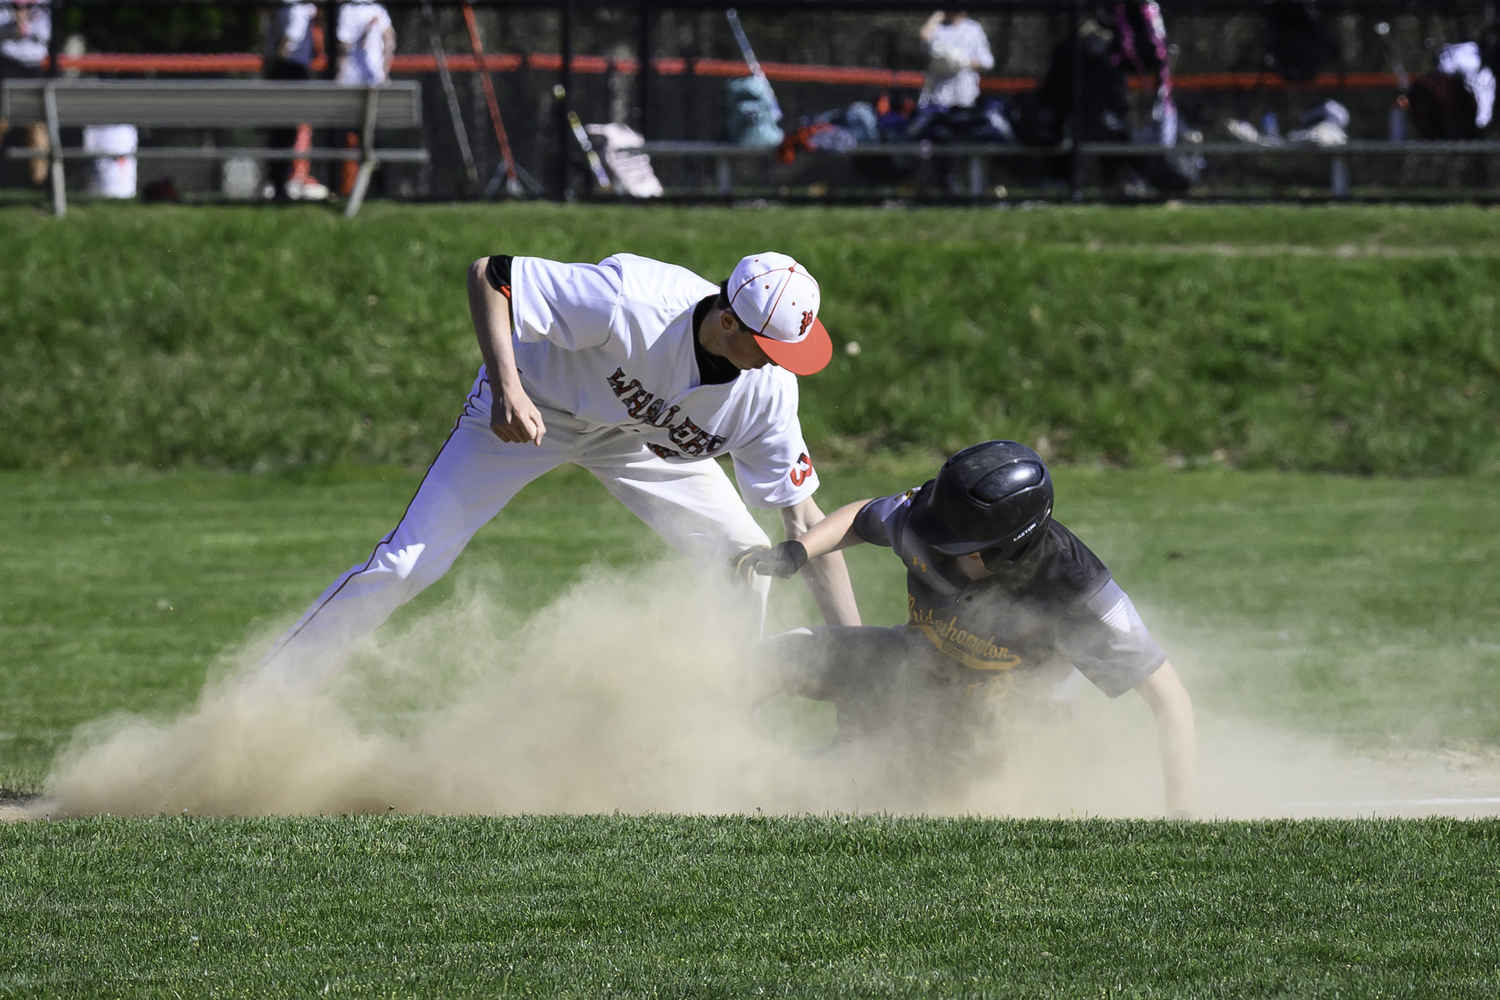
x=751, y=114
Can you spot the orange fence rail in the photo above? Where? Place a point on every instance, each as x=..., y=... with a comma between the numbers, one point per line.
x=236, y=62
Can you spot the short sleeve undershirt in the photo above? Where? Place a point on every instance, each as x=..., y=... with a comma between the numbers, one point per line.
x=713, y=369
x=497, y=273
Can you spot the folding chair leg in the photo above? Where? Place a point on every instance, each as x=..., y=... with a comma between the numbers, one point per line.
x=361, y=183
x=366, y=154
x=59, y=190
x=54, y=140
x=1338, y=181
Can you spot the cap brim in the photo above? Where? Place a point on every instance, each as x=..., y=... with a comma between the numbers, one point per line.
x=808, y=356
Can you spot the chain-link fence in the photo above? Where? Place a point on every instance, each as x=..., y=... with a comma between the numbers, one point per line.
x=1220, y=99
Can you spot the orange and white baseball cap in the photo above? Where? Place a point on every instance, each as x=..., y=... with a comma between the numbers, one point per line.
x=778, y=301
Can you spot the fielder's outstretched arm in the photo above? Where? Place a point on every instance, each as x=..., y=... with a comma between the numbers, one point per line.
x=1175, y=741
x=829, y=534
x=513, y=416
x=826, y=575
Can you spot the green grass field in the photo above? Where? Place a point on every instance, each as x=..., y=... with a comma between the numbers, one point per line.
x=290, y=382
x=744, y=907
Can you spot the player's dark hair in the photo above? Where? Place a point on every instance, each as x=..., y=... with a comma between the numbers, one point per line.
x=721, y=301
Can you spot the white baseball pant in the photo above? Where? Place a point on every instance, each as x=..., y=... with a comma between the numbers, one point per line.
x=692, y=505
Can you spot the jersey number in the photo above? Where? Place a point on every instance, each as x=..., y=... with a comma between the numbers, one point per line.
x=801, y=470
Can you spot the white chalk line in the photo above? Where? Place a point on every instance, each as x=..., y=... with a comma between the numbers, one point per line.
x=1345, y=251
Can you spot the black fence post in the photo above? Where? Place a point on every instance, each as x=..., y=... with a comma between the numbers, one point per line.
x=1076, y=125
x=332, y=136
x=55, y=12
x=690, y=53
x=645, y=57
x=564, y=101
x=331, y=40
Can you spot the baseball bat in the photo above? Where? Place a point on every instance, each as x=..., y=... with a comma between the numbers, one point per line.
x=460, y=133
x=750, y=60
x=512, y=182
x=601, y=177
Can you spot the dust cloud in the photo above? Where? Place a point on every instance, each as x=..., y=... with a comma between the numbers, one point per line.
x=633, y=692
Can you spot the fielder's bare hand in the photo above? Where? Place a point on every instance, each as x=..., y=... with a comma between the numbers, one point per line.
x=515, y=418
x=780, y=561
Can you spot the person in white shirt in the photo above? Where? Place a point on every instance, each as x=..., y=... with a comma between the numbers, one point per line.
x=957, y=49
x=1464, y=61
x=293, y=42
x=641, y=372
x=25, y=31
x=367, y=41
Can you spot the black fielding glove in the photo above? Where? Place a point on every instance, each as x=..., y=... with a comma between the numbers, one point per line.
x=781, y=561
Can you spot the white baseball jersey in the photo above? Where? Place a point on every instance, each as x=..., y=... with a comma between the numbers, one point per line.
x=957, y=51
x=612, y=344
x=606, y=352
x=29, y=47
x=361, y=29
x=291, y=25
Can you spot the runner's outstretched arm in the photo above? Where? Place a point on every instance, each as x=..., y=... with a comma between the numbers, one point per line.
x=826, y=575
x=1173, y=710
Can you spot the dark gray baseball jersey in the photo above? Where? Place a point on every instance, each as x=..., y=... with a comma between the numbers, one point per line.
x=1057, y=602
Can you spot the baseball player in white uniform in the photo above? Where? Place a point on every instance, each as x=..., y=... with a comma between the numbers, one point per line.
x=643, y=373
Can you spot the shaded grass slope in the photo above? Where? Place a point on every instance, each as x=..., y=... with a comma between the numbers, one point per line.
x=716, y=907
x=1359, y=340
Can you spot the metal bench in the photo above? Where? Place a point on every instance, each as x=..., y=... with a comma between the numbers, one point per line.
x=978, y=155
x=216, y=104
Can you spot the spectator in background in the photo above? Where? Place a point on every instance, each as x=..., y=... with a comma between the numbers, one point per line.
x=1141, y=37
x=293, y=41
x=25, y=30
x=1458, y=100
x=957, y=49
x=367, y=43
x=1124, y=40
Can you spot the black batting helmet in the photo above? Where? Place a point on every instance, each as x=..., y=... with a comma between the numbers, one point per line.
x=994, y=496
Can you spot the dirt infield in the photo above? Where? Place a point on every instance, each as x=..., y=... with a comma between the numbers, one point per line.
x=575, y=717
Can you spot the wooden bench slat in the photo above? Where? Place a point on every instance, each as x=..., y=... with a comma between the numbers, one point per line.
x=225, y=153
x=1354, y=147
x=212, y=103
x=922, y=150
x=217, y=104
